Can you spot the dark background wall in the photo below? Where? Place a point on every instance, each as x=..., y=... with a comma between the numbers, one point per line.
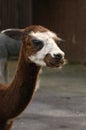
x=66, y=17
x=15, y=13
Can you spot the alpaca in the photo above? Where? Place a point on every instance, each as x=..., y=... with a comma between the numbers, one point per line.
x=38, y=49
x=9, y=49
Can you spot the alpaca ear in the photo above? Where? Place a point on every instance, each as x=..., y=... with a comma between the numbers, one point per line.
x=16, y=34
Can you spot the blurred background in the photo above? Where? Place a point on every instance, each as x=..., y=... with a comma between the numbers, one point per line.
x=60, y=103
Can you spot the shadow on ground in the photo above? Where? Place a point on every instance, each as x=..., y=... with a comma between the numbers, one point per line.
x=59, y=104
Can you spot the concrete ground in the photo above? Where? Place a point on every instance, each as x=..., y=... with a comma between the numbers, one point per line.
x=59, y=104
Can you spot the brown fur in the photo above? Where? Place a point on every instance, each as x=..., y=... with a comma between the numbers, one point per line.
x=35, y=28
x=16, y=96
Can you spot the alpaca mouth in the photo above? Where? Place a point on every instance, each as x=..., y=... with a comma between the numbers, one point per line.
x=53, y=62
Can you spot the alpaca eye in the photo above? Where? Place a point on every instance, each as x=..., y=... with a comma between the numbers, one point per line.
x=38, y=44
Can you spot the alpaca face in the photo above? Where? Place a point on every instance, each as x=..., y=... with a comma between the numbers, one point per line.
x=47, y=51
x=39, y=45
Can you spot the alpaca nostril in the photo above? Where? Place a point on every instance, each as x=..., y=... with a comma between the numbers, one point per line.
x=58, y=56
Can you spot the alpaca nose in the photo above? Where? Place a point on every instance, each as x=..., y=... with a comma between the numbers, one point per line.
x=58, y=56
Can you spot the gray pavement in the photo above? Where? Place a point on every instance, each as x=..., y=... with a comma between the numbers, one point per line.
x=59, y=104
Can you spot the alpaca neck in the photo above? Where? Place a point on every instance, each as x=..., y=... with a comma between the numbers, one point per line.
x=5, y=125
x=24, y=83
x=21, y=89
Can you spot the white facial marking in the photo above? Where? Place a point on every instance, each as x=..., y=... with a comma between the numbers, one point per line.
x=50, y=47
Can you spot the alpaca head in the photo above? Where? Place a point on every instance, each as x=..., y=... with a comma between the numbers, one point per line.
x=39, y=45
